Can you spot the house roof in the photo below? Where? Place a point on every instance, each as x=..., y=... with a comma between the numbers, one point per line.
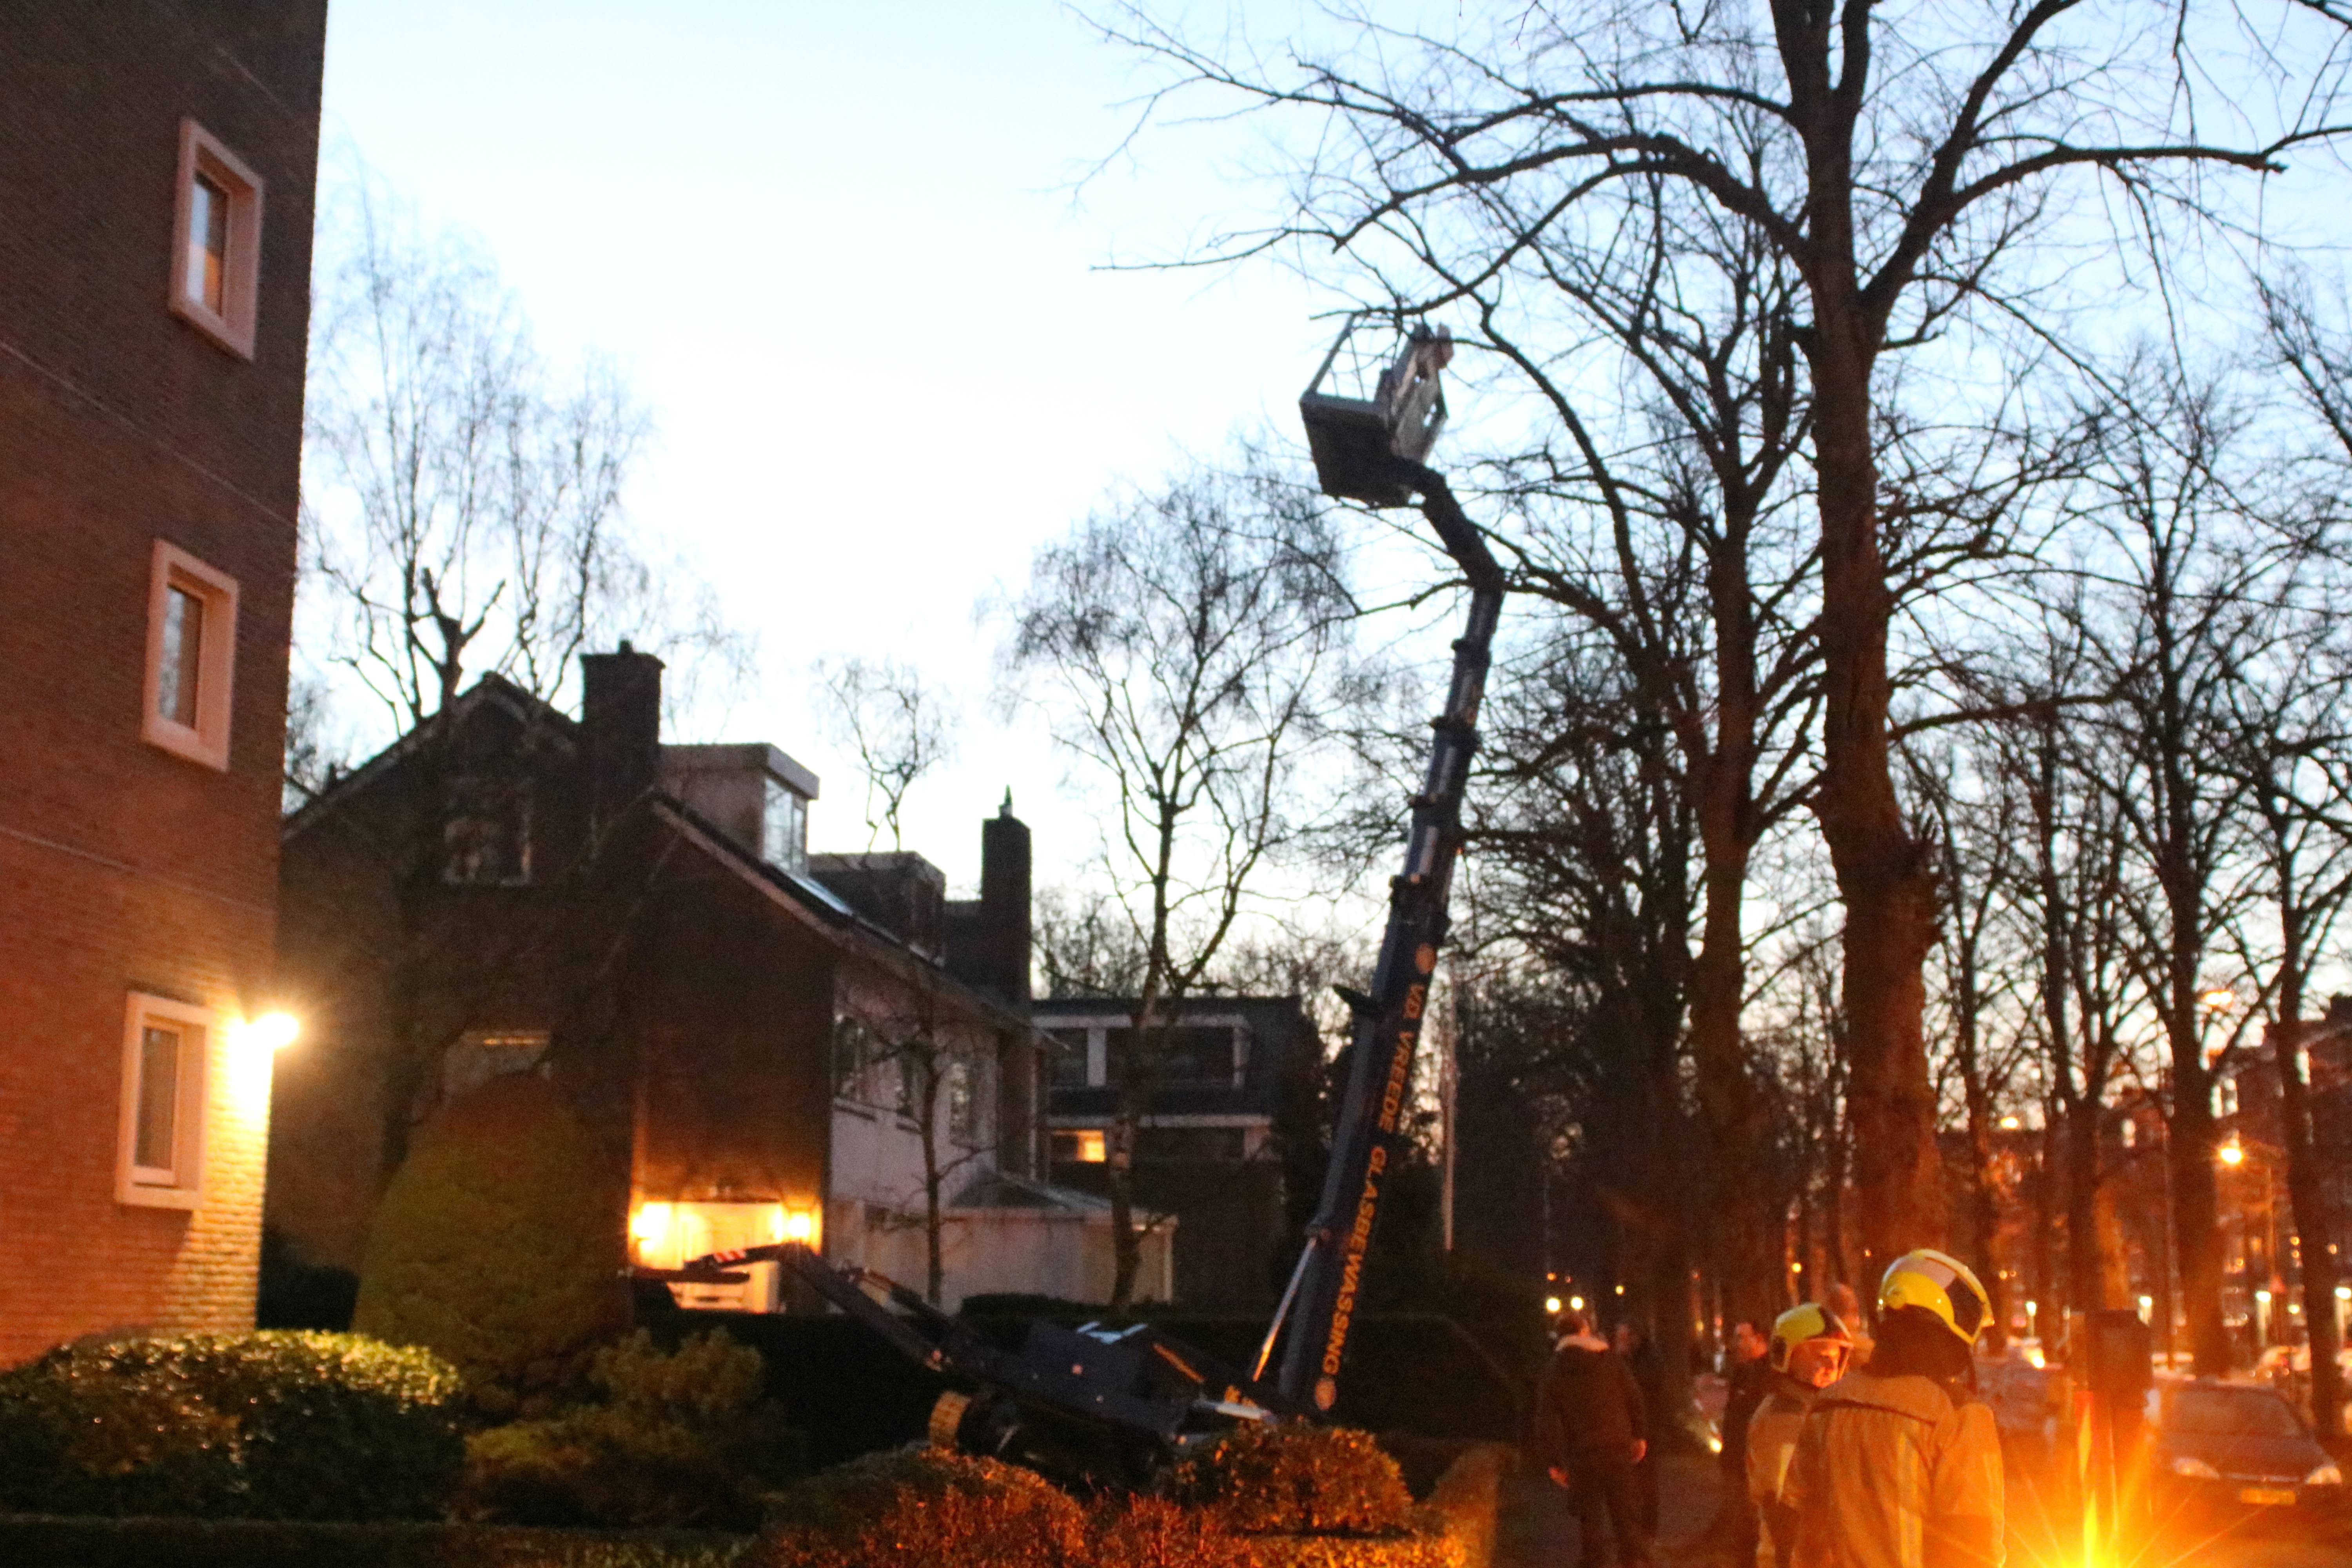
x=814, y=905
x=491, y=690
x=820, y=909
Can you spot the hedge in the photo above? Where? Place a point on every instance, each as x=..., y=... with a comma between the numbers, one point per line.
x=40, y=1541
x=825, y=1514
x=682, y=1439
x=260, y=1425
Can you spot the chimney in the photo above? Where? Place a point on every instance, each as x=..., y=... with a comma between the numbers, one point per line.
x=1005, y=904
x=620, y=727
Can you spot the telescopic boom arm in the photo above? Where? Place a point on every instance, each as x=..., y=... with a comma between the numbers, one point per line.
x=1319, y=1305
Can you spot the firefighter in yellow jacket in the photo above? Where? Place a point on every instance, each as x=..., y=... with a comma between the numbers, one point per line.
x=1809, y=1350
x=1897, y=1465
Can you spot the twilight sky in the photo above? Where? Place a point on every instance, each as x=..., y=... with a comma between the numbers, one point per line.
x=841, y=252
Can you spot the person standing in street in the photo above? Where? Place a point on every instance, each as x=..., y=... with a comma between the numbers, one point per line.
x=1810, y=1348
x=1898, y=1464
x=1590, y=1432
x=1746, y=1374
x=1649, y=1370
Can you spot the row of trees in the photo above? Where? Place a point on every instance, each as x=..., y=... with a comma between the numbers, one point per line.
x=1846, y=480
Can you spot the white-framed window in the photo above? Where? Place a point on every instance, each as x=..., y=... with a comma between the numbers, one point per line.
x=191, y=657
x=167, y=1049
x=216, y=241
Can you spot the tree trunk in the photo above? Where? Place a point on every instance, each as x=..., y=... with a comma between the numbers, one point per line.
x=2196, y=1217
x=934, y=1272
x=2305, y=1185
x=1126, y=1246
x=2085, y=1279
x=1883, y=876
x=1725, y=1094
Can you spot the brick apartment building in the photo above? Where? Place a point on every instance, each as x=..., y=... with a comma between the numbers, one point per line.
x=737, y=1021
x=156, y=171
x=1227, y=1147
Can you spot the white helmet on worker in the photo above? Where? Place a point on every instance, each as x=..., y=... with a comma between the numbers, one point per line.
x=1940, y=1285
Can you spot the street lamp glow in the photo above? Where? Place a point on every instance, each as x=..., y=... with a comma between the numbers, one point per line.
x=2233, y=1152
x=1576, y=1303
x=270, y=1032
x=1551, y=1305
x=2010, y=1124
x=2220, y=999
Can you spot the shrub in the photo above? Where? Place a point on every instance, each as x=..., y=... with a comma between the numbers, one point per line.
x=682, y=1439
x=262, y=1425
x=495, y=1248
x=919, y=1506
x=1153, y=1532
x=1299, y=1479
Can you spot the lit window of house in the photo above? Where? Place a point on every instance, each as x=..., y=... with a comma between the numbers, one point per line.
x=216, y=241
x=1081, y=1146
x=166, y=1047
x=191, y=657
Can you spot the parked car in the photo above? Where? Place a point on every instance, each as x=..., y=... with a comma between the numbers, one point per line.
x=2232, y=1453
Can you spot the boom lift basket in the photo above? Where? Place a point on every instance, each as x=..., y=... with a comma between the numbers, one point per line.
x=1371, y=405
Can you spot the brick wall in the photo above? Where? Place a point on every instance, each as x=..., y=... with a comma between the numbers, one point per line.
x=123, y=868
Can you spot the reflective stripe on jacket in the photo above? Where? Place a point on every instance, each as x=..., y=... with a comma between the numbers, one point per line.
x=1891, y=1472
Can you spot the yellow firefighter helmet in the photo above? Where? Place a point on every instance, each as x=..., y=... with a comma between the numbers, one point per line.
x=1811, y=1321
x=1937, y=1283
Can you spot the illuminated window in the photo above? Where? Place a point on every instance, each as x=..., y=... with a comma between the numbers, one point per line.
x=1080, y=1146
x=191, y=657
x=166, y=1051
x=216, y=241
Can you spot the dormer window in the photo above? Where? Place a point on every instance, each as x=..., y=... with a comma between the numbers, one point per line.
x=783, y=828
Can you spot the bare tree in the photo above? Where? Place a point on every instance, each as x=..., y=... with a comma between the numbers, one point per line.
x=462, y=517
x=1185, y=646
x=1973, y=823
x=2192, y=567
x=2293, y=746
x=1907, y=162
x=933, y=1072
x=898, y=728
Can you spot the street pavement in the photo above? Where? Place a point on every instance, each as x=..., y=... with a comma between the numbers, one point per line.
x=1538, y=1531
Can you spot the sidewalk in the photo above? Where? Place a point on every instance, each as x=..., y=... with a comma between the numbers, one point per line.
x=1538, y=1531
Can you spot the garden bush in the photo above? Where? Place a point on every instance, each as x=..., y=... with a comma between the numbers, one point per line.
x=1153, y=1532
x=496, y=1247
x=679, y=1439
x=1298, y=1479
x=264, y=1425
x=925, y=1506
